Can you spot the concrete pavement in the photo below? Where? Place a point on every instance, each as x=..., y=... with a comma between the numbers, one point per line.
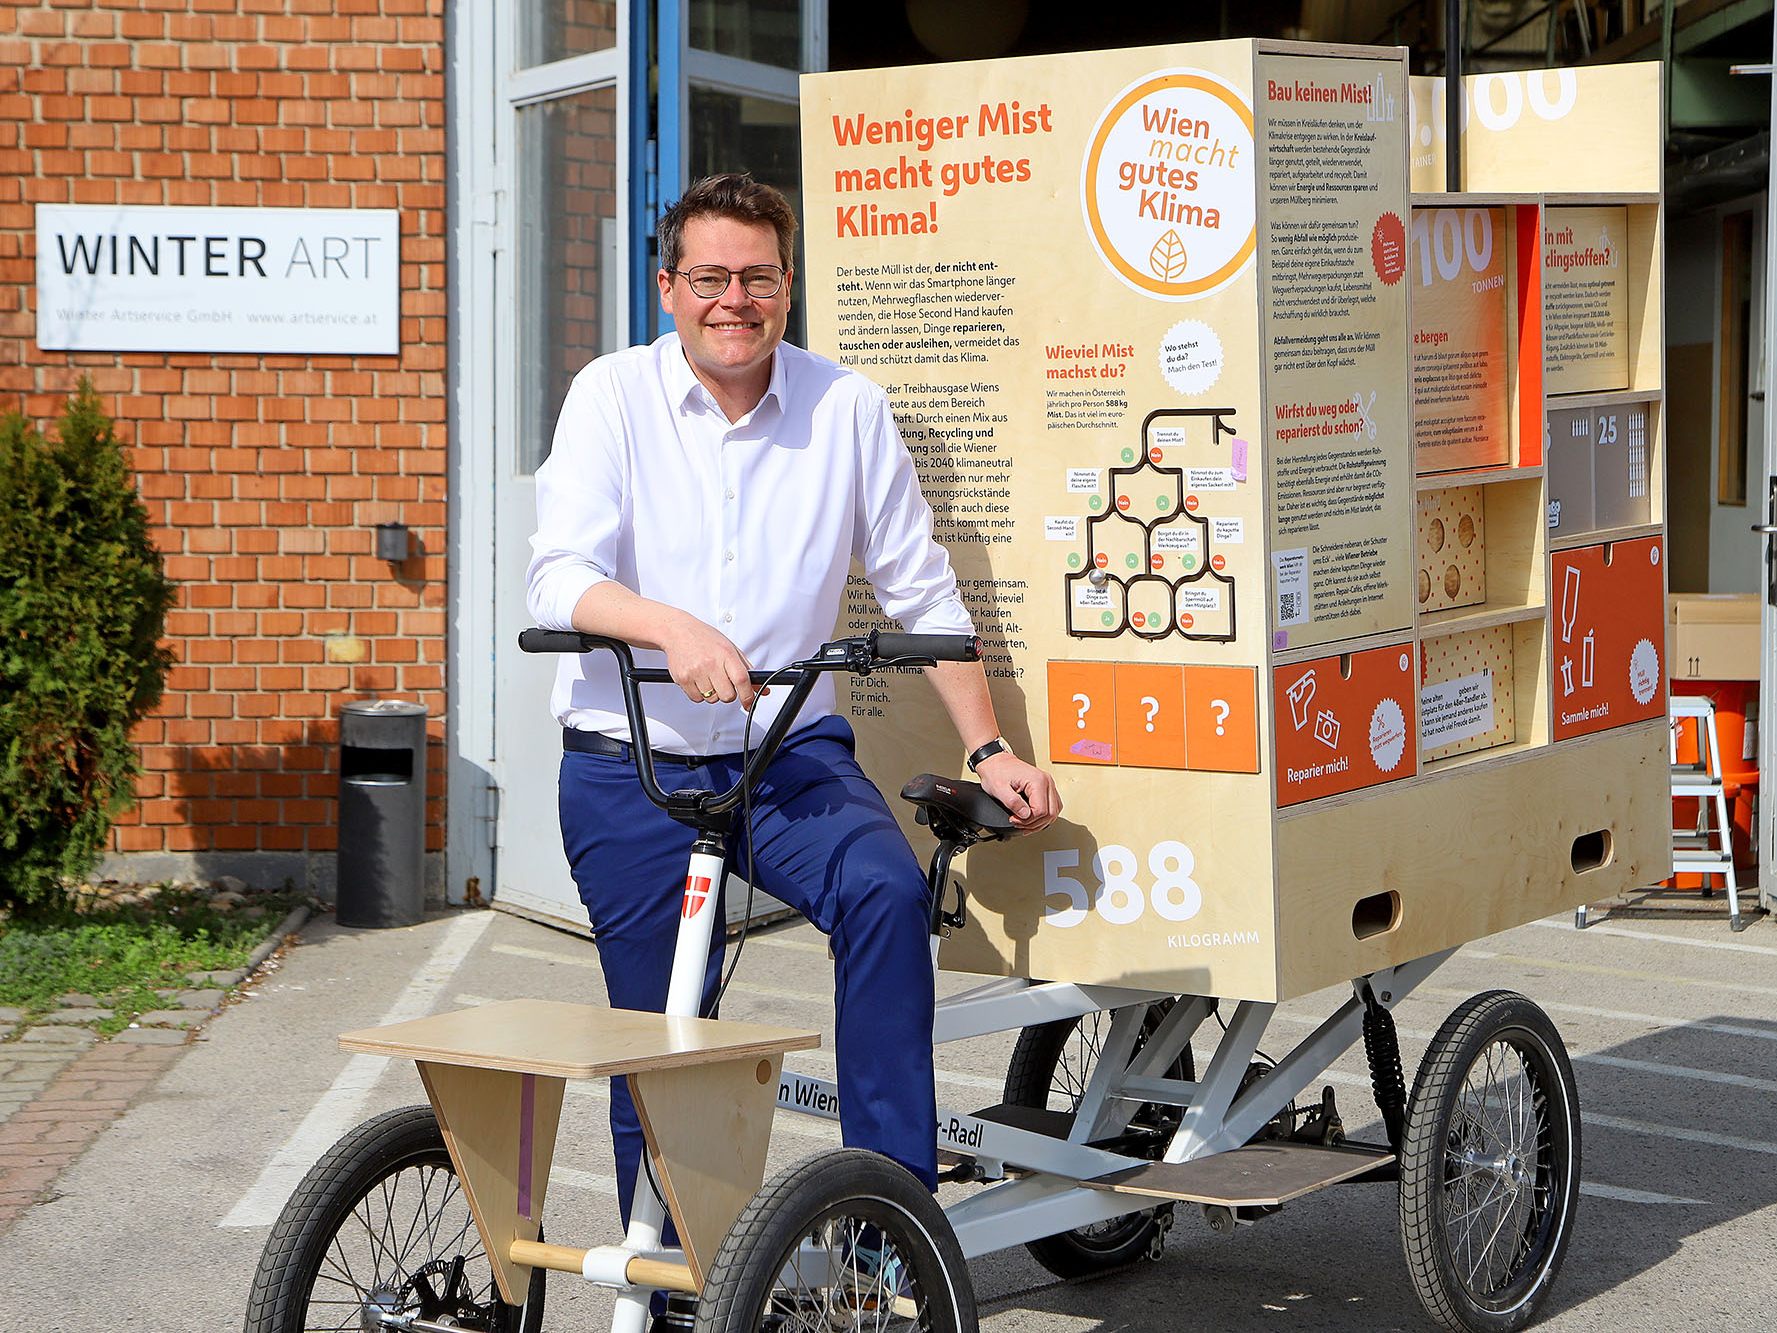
x=1672, y=1023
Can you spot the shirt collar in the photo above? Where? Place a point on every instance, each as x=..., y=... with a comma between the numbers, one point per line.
x=682, y=384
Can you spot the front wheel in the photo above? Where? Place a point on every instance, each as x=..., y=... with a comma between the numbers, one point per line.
x=846, y=1241
x=380, y=1227
x=1490, y=1165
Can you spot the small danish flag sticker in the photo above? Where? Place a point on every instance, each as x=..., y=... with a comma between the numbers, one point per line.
x=697, y=893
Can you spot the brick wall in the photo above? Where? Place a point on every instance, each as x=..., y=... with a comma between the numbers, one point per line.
x=264, y=475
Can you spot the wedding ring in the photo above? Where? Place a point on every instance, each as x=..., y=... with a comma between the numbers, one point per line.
x=709, y=694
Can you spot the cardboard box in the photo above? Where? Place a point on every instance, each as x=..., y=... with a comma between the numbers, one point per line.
x=1452, y=546
x=1712, y=636
x=1466, y=695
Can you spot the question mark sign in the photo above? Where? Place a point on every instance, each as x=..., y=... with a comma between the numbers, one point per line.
x=1220, y=708
x=1085, y=707
x=1153, y=707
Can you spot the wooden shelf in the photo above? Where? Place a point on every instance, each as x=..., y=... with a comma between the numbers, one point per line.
x=1480, y=476
x=1598, y=536
x=1468, y=198
x=1585, y=199
x=1561, y=402
x=1462, y=619
x=1400, y=638
x=1497, y=754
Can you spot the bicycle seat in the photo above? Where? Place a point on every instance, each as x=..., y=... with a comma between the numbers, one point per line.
x=958, y=811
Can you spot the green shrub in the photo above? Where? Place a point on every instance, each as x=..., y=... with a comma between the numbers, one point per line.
x=83, y=603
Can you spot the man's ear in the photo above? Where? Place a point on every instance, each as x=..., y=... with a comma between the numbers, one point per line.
x=665, y=280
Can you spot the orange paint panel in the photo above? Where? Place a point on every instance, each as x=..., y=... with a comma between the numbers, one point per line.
x=1150, y=715
x=1339, y=731
x=1082, y=713
x=1222, y=719
x=1607, y=608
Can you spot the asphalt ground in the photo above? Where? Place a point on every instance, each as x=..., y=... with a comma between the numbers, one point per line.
x=1672, y=1024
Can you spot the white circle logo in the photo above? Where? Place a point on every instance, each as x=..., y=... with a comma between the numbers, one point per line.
x=1167, y=185
x=1191, y=357
x=1388, y=735
x=1644, y=671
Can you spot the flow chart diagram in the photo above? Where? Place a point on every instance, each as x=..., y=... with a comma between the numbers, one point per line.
x=1150, y=564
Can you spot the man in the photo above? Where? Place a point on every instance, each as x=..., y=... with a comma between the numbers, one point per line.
x=705, y=498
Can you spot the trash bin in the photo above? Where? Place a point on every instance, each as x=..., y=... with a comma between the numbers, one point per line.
x=382, y=813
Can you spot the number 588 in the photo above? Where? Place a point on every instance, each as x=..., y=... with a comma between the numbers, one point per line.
x=1115, y=893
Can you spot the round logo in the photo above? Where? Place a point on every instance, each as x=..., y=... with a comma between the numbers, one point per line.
x=1388, y=249
x=1167, y=185
x=1388, y=735
x=1644, y=671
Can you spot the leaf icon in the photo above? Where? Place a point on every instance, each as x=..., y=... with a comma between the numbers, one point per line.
x=1167, y=258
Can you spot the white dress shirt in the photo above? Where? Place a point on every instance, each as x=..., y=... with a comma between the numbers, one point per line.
x=750, y=526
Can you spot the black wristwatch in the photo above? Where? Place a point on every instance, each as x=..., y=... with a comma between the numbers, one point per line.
x=995, y=746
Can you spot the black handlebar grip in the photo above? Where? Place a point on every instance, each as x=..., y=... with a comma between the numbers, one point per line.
x=553, y=641
x=937, y=647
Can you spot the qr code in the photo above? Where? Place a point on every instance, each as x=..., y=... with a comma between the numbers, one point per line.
x=1289, y=606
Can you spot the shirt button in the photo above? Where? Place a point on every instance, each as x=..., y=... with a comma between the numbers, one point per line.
x=728, y=617
x=728, y=555
x=729, y=492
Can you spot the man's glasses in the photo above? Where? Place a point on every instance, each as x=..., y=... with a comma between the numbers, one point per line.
x=711, y=280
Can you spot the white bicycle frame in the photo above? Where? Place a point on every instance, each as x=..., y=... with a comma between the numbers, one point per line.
x=1037, y=1190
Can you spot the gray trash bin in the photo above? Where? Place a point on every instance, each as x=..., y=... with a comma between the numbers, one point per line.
x=382, y=813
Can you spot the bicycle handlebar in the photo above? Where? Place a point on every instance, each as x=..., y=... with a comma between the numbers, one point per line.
x=860, y=656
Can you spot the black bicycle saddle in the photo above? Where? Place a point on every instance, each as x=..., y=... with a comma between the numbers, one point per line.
x=958, y=811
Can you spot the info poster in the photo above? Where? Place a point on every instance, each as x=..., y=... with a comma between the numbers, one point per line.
x=1051, y=267
x=1333, y=139
x=1461, y=369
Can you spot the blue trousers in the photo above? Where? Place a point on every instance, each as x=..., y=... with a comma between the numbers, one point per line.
x=827, y=846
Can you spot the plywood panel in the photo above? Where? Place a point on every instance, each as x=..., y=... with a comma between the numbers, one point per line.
x=500, y=1128
x=1469, y=852
x=707, y=1130
x=572, y=1040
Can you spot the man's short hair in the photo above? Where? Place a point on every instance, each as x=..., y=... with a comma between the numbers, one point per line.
x=733, y=194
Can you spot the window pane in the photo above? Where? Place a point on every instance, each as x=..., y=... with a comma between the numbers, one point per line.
x=567, y=254
x=768, y=31
x=752, y=134
x=556, y=29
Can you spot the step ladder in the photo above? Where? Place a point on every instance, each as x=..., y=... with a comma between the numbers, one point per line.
x=1708, y=848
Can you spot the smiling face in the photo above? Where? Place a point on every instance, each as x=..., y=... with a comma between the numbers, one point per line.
x=728, y=339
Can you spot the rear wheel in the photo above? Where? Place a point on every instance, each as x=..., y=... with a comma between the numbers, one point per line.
x=846, y=1241
x=1050, y=1067
x=379, y=1227
x=1490, y=1165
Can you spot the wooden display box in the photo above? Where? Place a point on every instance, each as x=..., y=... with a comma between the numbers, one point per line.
x=1181, y=495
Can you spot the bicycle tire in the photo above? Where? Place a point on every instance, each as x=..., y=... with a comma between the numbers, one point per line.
x=356, y=1182
x=1517, y=1147
x=850, y=1189
x=1031, y=1081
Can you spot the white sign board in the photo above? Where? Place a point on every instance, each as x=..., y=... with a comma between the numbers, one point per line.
x=155, y=279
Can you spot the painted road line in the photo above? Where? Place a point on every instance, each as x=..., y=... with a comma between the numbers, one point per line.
x=342, y=1105
x=1629, y=1016
x=1621, y=1195
x=583, y=1180
x=1680, y=1071
x=1654, y=937
x=1682, y=1133
x=1623, y=973
x=808, y=1062
x=545, y=955
x=789, y=942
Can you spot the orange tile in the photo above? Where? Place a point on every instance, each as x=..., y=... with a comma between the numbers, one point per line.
x=1150, y=706
x=1222, y=719
x=1082, y=713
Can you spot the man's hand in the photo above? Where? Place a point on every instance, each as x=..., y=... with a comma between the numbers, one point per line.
x=706, y=665
x=1024, y=789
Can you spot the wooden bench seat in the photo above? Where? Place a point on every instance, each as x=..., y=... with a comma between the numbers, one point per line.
x=703, y=1088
